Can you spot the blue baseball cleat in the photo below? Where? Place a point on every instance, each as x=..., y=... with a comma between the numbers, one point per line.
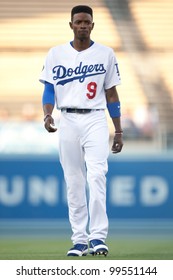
x=98, y=247
x=78, y=250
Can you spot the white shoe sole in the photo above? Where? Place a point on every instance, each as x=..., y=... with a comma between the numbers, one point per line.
x=77, y=253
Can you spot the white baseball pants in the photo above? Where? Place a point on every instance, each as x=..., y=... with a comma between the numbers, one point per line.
x=83, y=152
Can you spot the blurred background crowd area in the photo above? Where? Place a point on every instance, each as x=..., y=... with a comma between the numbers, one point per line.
x=141, y=34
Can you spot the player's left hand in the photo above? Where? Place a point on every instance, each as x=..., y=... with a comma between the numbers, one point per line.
x=117, y=143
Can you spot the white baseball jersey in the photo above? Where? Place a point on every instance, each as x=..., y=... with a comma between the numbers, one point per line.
x=80, y=78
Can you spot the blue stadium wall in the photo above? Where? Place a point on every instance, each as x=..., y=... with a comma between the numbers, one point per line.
x=137, y=188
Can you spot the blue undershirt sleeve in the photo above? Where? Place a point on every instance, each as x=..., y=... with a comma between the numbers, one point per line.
x=48, y=94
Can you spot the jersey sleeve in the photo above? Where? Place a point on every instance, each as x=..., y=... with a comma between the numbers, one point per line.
x=46, y=74
x=113, y=75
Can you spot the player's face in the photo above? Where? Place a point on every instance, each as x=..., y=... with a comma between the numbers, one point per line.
x=82, y=25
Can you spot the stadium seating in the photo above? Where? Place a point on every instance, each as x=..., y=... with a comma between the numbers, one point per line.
x=154, y=20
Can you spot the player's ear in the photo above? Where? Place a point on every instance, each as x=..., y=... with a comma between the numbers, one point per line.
x=92, y=25
x=70, y=24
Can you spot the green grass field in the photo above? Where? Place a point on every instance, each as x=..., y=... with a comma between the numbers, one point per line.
x=55, y=249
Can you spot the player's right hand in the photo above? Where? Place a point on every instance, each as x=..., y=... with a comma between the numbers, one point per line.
x=49, y=124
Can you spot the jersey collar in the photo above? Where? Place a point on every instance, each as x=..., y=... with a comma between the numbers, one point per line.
x=91, y=43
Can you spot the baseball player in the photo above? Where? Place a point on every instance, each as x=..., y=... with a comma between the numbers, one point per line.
x=80, y=79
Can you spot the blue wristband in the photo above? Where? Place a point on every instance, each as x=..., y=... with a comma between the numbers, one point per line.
x=48, y=94
x=114, y=109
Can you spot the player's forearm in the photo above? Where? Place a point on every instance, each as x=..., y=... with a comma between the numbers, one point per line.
x=48, y=109
x=114, y=107
x=117, y=124
x=48, y=98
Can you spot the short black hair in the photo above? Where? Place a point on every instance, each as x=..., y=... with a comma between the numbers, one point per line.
x=81, y=9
